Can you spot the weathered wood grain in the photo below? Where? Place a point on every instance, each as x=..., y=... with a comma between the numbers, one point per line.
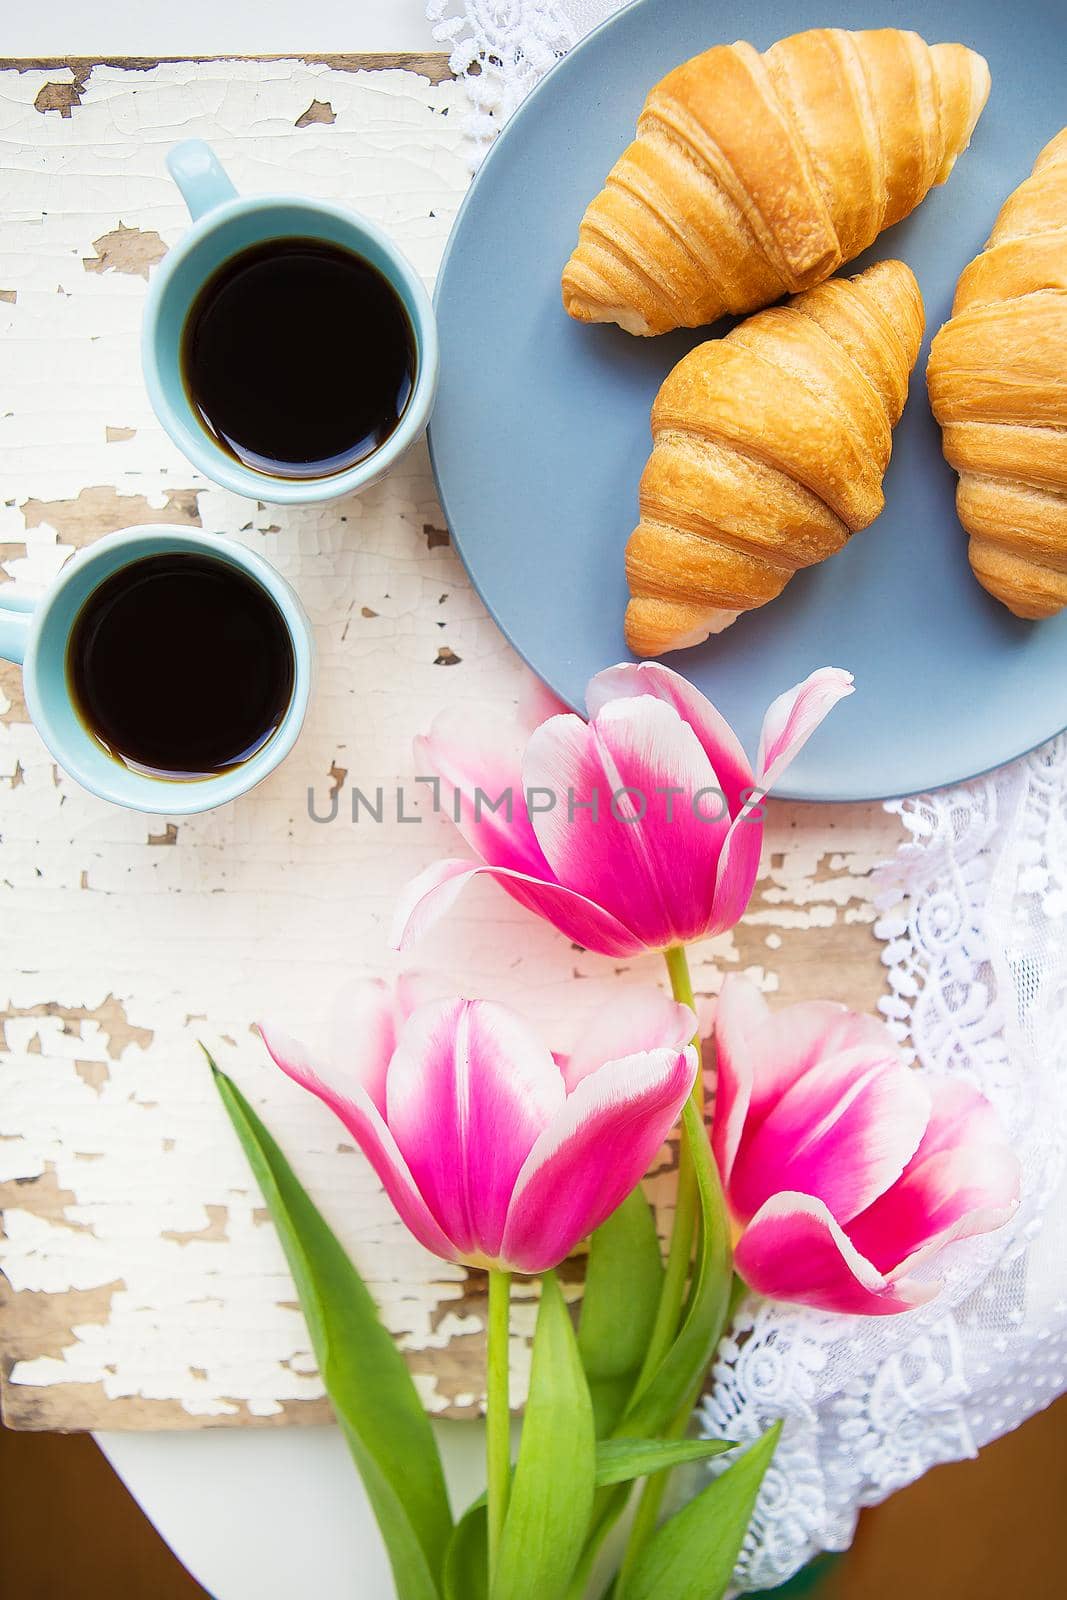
x=430, y=64
x=143, y=1284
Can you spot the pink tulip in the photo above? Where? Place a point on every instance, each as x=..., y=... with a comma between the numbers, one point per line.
x=844, y=1168
x=493, y=1151
x=637, y=830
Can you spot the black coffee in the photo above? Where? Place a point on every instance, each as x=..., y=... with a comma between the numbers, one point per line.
x=180, y=666
x=299, y=358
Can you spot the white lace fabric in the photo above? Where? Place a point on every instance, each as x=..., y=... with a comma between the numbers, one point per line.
x=972, y=913
x=501, y=48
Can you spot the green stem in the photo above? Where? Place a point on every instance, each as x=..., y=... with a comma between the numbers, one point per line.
x=651, y=1499
x=669, y=1311
x=648, y=1507
x=678, y=967
x=682, y=989
x=653, y=1489
x=680, y=1250
x=738, y=1291
x=498, y=1417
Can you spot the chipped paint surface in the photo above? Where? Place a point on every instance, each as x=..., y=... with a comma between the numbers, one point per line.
x=126, y=250
x=145, y=1287
x=317, y=111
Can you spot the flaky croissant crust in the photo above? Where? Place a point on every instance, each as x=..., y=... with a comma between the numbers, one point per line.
x=769, y=449
x=998, y=386
x=757, y=175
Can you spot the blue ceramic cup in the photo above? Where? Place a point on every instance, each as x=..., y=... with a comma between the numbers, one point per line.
x=36, y=633
x=225, y=223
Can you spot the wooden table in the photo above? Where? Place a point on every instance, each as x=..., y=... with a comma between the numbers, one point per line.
x=143, y=1286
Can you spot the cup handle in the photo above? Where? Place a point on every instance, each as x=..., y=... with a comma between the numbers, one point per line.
x=200, y=176
x=15, y=614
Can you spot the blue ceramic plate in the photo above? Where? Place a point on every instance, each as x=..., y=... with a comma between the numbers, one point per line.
x=541, y=428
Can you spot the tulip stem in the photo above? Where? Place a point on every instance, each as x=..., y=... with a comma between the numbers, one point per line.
x=498, y=1417
x=681, y=982
x=682, y=989
x=650, y=1501
x=670, y=1310
x=680, y=1250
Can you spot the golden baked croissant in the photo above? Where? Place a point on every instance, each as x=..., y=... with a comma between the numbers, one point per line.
x=756, y=175
x=998, y=386
x=769, y=448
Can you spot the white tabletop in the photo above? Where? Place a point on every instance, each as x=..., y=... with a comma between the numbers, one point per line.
x=206, y=27
x=274, y=1514
x=259, y=1514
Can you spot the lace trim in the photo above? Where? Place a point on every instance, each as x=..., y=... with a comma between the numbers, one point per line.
x=502, y=48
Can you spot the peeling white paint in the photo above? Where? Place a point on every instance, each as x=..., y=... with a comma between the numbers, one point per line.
x=255, y=907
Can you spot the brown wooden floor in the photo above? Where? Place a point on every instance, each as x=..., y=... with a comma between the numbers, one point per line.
x=991, y=1529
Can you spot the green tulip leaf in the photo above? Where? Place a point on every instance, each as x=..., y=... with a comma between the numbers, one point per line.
x=623, y=1278
x=693, y=1555
x=372, y=1392
x=676, y=1382
x=622, y=1460
x=466, y=1573
x=552, y=1487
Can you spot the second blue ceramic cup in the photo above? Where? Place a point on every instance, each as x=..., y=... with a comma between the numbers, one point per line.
x=225, y=223
x=36, y=633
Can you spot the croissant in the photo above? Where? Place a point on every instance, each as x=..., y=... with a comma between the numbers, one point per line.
x=756, y=175
x=769, y=449
x=998, y=386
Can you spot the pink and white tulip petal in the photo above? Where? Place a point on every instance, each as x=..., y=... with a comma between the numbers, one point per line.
x=722, y=747
x=952, y=1194
x=478, y=762
x=737, y=871
x=365, y=1123
x=788, y=725
x=415, y=989
x=470, y=1090
x=537, y=702
x=963, y=1179
x=430, y=895
x=793, y=718
x=842, y=1133
x=794, y=1250
x=642, y=1018
x=763, y=1052
x=799, y=1036
x=959, y=1115
x=363, y=1029
x=740, y=1016
x=644, y=853
x=593, y=1154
